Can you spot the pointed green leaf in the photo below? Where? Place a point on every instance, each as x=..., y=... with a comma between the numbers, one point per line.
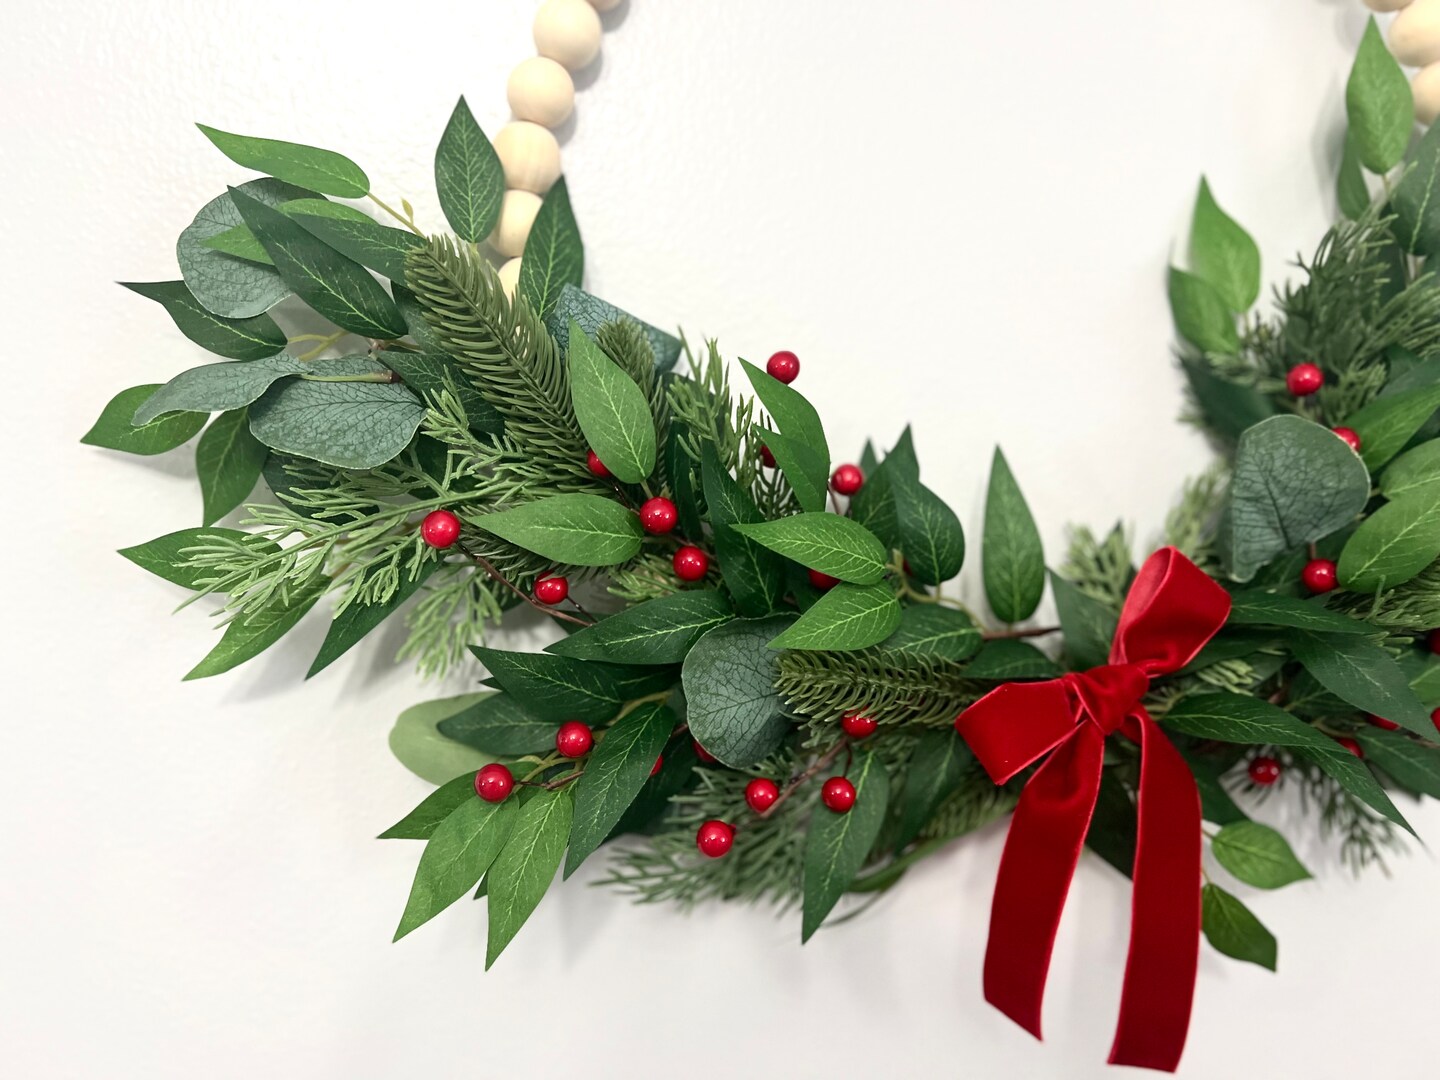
x=828, y=543
x=846, y=617
x=366, y=241
x=1257, y=855
x=1200, y=314
x=804, y=467
x=938, y=764
x=319, y=170
x=754, y=575
x=1013, y=559
x=559, y=688
x=1088, y=624
x=1387, y=423
x=935, y=631
x=496, y=723
x=421, y=823
x=238, y=339
x=228, y=460
x=793, y=415
x=1230, y=408
x=659, y=631
x=250, y=635
x=522, y=872
x=1363, y=674
x=429, y=374
x=615, y=772
x=357, y=620
x=1415, y=472
x=1409, y=763
x=351, y=425
x=930, y=534
x=1417, y=215
x=1005, y=659
x=468, y=176
x=554, y=254
x=1392, y=545
x=729, y=682
x=1351, y=191
x=836, y=845
x=1223, y=254
x=115, y=431
x=578, y=530
x=458, y=853
x=611, y=410
x=1379, y=104
x=165, y=555
x=1233, y=930
x=1256, y=607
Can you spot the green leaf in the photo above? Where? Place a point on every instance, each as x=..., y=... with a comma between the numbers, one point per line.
x=1363, y=674
x=793, y=415
x=421, y=823
x=1351, y=190
x=828, y=543
x=836, y=845
x=228, y=461
x=418, y=744
x=114, y=430
x=1114, y=824
x=930, y=533
x=1216, y=805
x=336, y=287
x=1005, y=659
x=754, y=575
x=1233, y=930
x=579, y=530
x=729, y=683
x=1200, y=314
x=804, y=468
x=611, y=410
x=1229, y=407
x=238, y=339
x=1379, y=104
x=1411, y=764
x=351, y=425
x=1392, y=545
x=1014, y=561
x=225, y=387
x=576, y=305
x=164, y=556
x=228, y=286
x=365, y=240
x=496, y=723
x=554, y=255
x=846, y=617
x=1260, y=608
x=935, y=631
x=468, y=177
x=429, y=373
x=458, y=853
x=1257, y=855
x=659, y=631
x=240, y=242
x=1387, y=423
x=526, y=865
x=1223, y=254
x=1416, y=199
x=938, y=764
x=1088, y=624
x=357, y=620
x=559, y=688
x=319, y=170
x=249, y=635
x=1416, y=472
x=615, y=772
x=1294, y=483
x=874, y=504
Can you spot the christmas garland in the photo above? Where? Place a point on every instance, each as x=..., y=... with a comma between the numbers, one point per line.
x=758, y=697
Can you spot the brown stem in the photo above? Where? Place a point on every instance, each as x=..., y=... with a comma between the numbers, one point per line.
x=819, y=763
x=1011, y=635
x=489, y=568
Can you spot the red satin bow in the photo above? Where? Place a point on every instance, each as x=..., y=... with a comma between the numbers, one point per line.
x=1172, y=610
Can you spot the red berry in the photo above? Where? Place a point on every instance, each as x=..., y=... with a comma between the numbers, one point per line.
x=858, y=726
x=1382, y=723
x=494, y=782
x=659, y=761
x=822, y=581
x=714, y=838
x=595, y=465
x=1435, y=718
x=552, y=590
x=691, y=564
x=1304, y=379
x=1351, y=745
x=704, y=755
x=1432, y=639
x=658, y=515
x=574, y=739
x=767, y=458
x=760, y=794
x=1350, y=435
x=440, y=529
x=1319, y=575
x=838, y=794
x=784, y=365
x=1264, y=771
x=847, y=479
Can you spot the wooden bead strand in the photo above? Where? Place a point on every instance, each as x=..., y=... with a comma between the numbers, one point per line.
x=541, y=93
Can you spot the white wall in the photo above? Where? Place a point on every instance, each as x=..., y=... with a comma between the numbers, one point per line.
x=958, y=214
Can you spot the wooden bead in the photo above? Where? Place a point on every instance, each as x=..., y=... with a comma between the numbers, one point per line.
x=611, y=5
x=1415, y=34
x=510, y=277
x=1426, y=88
x=1386, y=5
x=568, y=32
x=540, y=90
x=529, y=155
x=517, y=215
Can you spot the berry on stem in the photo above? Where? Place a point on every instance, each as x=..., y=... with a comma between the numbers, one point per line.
x=1432, y=640
x=552, y=590
x=767, y=458
x=659, y=763
x=704, y=755
x=714, y=838
x=1264, y=771
x=595, y=465
x=1350, y=436
x=1302, y=380
x=1382, y=723
x=858, y=726
x=658, y=515
x=440, y=529
x=691, y=564
x=838, y=794
x=1435, y=718
x=821, y=581
x=847, y=480
x=1319, y=575
x=784, y=365
x=760, y=794
x=1351, y=745
x=573, y=739
x=494, y=782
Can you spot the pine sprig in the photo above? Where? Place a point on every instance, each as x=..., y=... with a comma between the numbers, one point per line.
x=892, y=687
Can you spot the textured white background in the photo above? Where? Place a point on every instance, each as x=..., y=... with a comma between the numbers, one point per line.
x=958, y=214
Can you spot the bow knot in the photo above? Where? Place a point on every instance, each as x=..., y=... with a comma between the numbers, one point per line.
x=1171, y=611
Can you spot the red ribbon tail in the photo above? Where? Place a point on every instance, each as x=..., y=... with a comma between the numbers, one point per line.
x=1035, y=872
x=1164, y=952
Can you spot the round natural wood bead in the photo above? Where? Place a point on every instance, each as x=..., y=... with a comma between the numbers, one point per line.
x=568, y=32
x=1386, y=5
x=509, y=277
x=1426, y=88
x=517, y=215
x=611, y=5
x=540, y=90
x=529, y=155
x=1415, y=34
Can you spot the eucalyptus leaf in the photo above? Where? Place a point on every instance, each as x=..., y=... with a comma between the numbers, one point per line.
x=729, y=683
x=521, y=874
x=576, y=529
x=658, y=631
x=1013, y=558
x=115, y=429
x=225, y=387
x=611, y=410
x=458, y=853
x=1257, y=855
x=1379, y=104
x=1392, y=545
x=232, y=287
x=1223, y=254
x=836, y=845
x=351, y=425
x=847, y=617
x=228, y=462
x=469, y=179
x=754, y=575
x=554, y=255
x=614, y=773
x=576, y=305
x=1234, y=930
x=307, y=166
x=237, y=339
x=829, y=543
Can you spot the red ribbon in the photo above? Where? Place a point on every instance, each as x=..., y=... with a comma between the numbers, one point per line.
x=1172, y=610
